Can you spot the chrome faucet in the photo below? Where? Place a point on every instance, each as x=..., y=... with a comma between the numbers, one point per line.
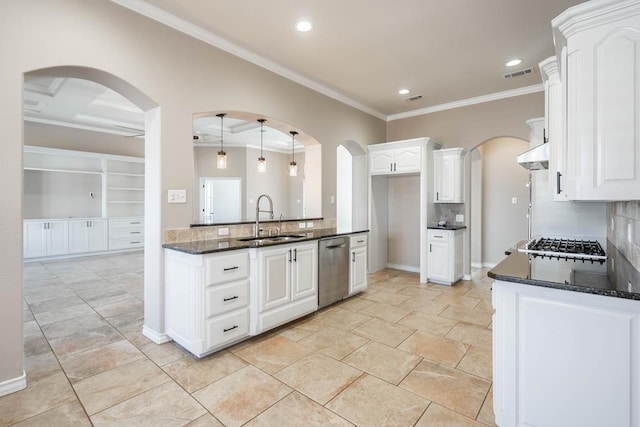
x=258, y=212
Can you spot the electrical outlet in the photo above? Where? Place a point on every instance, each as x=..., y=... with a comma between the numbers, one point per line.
x=92, y=195
x=177, y=196
x=514, y=200
x=459, y=218
x=333, y=200
x=629, y=233
x=223, y=231
x=612, y=224
x=302, y=225
x=310, y=224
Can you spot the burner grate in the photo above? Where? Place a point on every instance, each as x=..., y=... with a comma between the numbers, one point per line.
x=575, y=249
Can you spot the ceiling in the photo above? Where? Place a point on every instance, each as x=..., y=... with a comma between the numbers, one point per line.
x=360, y=52
x=363, y=51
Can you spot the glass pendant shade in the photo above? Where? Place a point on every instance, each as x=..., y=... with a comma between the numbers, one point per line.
x=293, y=169
x=262, y=162
x=222, y=155
x=222, y=160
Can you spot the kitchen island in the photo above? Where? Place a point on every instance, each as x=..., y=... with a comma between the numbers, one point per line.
x=566, y=341
x=219, y=292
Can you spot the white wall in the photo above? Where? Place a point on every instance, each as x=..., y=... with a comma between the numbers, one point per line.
x=61, y=195
x=404, y=222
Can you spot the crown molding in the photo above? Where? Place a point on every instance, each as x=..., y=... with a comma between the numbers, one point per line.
x=79, y=126
x=469, y=101
x=215, y=40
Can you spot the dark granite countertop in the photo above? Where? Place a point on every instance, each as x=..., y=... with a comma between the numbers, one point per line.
x=253, y=221
x=201, y=247
x=445, y=227
x=577, y=276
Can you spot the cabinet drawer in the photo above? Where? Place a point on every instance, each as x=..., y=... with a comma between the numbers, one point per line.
x=358, y=241
x=126, y=233
x=133, y=242
x=227, y=268
x=125, y=223
x=439, y=235
x=227, y=328
x=223, y=298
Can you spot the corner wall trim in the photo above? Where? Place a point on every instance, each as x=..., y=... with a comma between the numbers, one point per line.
x=13, y=385
x=155, y=336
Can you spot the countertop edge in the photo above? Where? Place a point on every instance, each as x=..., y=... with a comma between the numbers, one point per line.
x=235, y=244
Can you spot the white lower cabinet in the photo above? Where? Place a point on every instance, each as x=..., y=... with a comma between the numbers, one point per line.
x=126, y=233
x=87, y=235
x=358, y=264
x=445, y=256
x=207, y=299
x=45, y=238
x=564, y=358
x=287, y=284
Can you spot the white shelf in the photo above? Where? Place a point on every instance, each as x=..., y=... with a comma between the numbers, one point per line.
x=28, y=168
x=140, y=202
x=126, y=188
x=125, y=174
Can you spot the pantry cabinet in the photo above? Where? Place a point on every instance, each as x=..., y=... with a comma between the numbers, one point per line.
x=388, y=161
x=288, y=284
x=358, y=265
x=87, y=235
x=207, y=299
x=445, y=256
x=563, y=358
x=598, y=44
x=448, y=175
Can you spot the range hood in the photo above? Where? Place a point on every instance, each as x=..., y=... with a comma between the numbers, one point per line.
x=535, y=159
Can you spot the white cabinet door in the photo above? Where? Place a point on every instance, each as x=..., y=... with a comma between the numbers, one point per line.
x=438, y=260
x=358, y=270
x=34, y=239
x=97, y=236
x=304, y=275
x=276, y=277
x=602, y=77
x=57, y=238
x=448, y=175
x=381, y=162
x=78, y=236
x=564, y=358
x=407, y=159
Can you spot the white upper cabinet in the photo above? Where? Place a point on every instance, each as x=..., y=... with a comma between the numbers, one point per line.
x=553, y=127
x=403, y=159
x=448, y=171
x=598, y=43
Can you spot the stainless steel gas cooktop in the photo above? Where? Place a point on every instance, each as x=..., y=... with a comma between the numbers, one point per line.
x=567, y=249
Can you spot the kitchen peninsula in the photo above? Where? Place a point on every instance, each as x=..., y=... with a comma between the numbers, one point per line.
x=222, y=291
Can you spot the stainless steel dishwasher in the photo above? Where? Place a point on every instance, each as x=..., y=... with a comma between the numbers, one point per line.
x=333, y=270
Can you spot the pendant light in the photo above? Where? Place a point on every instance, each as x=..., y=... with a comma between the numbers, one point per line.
x=222, y=156
x=293, y=166
x=262, y=162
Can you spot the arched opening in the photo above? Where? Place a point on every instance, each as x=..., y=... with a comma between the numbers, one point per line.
x=499, y=199
x=153, y=325
x=351, y=191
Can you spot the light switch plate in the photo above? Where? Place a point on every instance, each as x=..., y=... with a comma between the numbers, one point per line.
x=177, y=196
x=223, y=231
x=310, y=224
x=514, y=200
x=459, y=218
x=302, y=225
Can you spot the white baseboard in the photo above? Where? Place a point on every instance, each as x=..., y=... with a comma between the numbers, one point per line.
x=466, y=277
x=476, y=265
x=489, y=264
x=13, y=385
x=408, y=268
x=155, y=336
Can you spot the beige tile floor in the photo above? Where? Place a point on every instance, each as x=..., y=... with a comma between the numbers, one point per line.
x=400, y=354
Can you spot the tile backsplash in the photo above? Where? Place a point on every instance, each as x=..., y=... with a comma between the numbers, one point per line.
x=623, y=229
x=448, y=212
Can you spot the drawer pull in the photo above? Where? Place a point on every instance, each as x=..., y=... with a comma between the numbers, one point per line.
x=437, y=237
x=136, y=222
x=230, y=268
x=230, y=329
x=230, y=298
x=134, y=232
x=360, y=241
x=136, y=243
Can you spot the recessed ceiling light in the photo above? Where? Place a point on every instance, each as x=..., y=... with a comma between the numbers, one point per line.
x=304, y=26
x=404, y=91
x=513, y=62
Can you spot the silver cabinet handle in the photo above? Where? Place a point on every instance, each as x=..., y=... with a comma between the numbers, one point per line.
x=429, y=247
x=230, y=329
x=295, y=255
x=235, y=267
x=230, y=298
x=353, y=257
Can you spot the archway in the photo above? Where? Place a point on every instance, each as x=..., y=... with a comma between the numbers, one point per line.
x=153, y=260
x=499, y=199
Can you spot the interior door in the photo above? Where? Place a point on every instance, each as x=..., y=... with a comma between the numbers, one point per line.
x=220, y=199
